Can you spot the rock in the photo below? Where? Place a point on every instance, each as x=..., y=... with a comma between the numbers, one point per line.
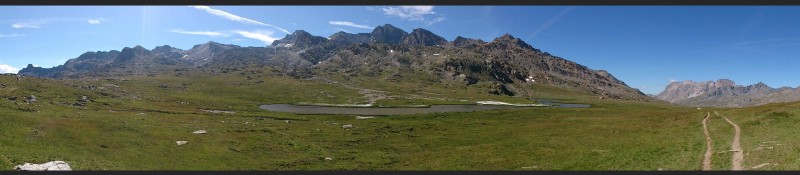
x=328, y=158
x=49, y=166
x=219, y=111
x=422, y=37
x=287, y=121
x=82, y=101
x=347, y=126
x=364, y=117
x=200, y=132
x=13, y=99
x=31, y=98
x=260, y=118
x=181, y=142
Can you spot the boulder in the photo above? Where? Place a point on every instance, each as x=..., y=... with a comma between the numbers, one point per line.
x=49, y=166
x=31, y=98
x=347, y=126
x=200, y=132
x=181, y=142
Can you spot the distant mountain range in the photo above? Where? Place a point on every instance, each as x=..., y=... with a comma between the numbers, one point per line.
x=506, y=64
x=725, y=93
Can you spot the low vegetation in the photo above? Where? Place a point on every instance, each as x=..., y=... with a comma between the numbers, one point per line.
x=133, y=123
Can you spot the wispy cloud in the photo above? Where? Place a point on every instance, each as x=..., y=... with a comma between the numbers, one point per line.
x=95, y=21
x=437, y=19
x=38, y=23
x=206, y=33
x=26, y=25
x=349, y=24
x=11, y=35
x=237, y=18
x=551, y=21
x=4, y=68
x=412, y=13
x=261, y=35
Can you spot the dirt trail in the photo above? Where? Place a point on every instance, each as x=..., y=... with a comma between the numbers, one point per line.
x=738, y=154
x=709, y=145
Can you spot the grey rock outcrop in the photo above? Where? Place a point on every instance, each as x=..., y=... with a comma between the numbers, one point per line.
x=49, y=166
x=31, y=98
x=422, y=37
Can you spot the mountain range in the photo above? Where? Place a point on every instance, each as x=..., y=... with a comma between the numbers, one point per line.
x=507, y=65
x=725, y=93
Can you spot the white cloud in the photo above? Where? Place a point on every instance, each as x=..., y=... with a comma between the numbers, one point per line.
x=236, y=18
x=350, y=24
x=261, y=35
x=38, y=23
x=4, y=68
x=439, y=19
x=25, y=25
x=411, y=13
x=11, y=35
x=206, y=33
x=95, y=21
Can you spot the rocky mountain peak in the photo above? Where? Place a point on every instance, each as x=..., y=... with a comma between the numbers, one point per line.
x=388, y=34
x=164, y=49
x=422, y=37
x=467, y=42
x=509, y=40
x=348, y=38
x=299, y=38
x=137, y=52
x=725, y=93
x=725, y=82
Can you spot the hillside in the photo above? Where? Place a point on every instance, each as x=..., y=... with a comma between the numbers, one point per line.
x=505, y=66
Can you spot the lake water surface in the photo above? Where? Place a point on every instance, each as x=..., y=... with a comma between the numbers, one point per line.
x=308, y=109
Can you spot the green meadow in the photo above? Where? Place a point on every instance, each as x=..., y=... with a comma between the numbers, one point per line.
x=133, y=123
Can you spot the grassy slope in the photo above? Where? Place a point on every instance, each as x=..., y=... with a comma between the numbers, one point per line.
x=137, y=126
x=771, y=127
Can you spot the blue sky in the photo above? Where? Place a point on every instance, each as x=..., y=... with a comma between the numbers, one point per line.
x=644, y=46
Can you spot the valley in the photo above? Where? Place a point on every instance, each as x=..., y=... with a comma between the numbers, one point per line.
x=133, y=123
x=309, y=103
